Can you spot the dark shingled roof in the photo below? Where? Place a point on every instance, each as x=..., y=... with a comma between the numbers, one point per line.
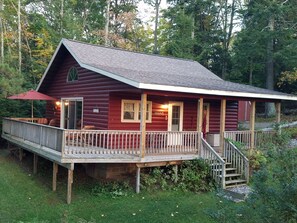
x=148, y=71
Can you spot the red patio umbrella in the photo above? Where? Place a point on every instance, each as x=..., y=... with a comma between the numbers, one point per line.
x=33, y=96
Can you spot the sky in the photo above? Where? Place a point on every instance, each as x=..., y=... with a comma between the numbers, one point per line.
x=146, y=12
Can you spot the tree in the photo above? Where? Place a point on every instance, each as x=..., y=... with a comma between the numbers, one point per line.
x=10, y=81
x=271, y=23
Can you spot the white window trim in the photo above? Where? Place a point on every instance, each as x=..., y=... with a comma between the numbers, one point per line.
x=178, y=103
x=136, y=112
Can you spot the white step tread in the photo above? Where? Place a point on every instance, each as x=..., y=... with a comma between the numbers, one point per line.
x=235, y=181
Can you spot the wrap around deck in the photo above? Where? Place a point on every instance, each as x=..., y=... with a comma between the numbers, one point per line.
x=100, y=146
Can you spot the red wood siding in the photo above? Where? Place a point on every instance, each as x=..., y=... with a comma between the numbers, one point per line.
x=160, y=115
x=244, y=108
x=93, y=87
x=214, y=116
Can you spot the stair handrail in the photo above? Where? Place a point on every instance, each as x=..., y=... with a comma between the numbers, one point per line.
x=218, y=166
x=241, y=162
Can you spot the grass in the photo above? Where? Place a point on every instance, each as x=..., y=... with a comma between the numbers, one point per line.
x=28, y=198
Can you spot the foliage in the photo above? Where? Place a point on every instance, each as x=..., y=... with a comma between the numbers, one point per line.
x=10, y=81
x=113, y=189
x=287, y=81
x=192, y=176
x=274, y=192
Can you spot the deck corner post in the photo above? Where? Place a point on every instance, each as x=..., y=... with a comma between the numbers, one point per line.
x=63, y=143
x=137, y=180
x=35, y=163
x=222, y=124
x=55, y=172
x=143, y=124
x=252, y=124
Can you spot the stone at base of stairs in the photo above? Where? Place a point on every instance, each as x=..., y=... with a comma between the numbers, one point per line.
x=237, y=193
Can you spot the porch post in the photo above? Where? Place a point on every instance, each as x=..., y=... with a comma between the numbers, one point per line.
x=278, y=111
x=199, y=123
x=222, y=124
x=143, y=124
x=252, y=123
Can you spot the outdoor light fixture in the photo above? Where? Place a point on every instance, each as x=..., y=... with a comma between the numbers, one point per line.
x=58, y=103
x=164, y=106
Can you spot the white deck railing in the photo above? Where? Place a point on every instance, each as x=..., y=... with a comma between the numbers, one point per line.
x=244, y=137
x=168, y=142
x=217, y=164
x=102, y=142
x=237, y=159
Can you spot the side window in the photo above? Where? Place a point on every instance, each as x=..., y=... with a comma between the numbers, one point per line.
x=72, y=74
x=131, y=111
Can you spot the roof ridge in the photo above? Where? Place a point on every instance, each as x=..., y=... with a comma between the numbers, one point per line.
x=129, y=51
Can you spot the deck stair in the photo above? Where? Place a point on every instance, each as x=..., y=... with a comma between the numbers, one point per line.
x=232, y=175
x=228, y=169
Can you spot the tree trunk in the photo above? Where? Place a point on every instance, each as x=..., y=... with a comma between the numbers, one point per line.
x=106, y=42
x=19, y=36
x=157, y=7
x=61, y=17
x=270, y=107
x=251, y=72
x=2, y=32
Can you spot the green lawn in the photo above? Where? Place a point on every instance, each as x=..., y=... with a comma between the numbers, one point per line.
x=28, y=198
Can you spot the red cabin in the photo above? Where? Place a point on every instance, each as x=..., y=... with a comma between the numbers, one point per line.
x=125, y=110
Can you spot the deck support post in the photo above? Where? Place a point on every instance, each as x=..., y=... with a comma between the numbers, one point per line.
x=252, y=123
x=138, y=180
x=69, y=185
x=21, y=154
x=199, y=123
x=143, y=124
x=35, y=162
x=55, y=172
x=278, y=112
x=222, y=124
x=175, y=169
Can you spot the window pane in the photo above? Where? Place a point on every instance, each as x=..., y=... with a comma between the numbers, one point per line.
x=148, y=111
x=129, y=115
x=129, y=110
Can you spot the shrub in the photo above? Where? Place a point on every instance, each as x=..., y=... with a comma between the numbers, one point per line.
x=192, y=176
x=113, y=189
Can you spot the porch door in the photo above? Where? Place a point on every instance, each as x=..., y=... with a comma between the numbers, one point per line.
x=71, y=113
x=175, y=122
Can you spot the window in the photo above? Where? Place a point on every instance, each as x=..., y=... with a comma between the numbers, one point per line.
x=72, y=74
x=131, y=111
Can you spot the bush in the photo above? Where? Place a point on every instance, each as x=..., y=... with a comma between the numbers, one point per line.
x=192, y=176
x=113, y=189
x=275, y=187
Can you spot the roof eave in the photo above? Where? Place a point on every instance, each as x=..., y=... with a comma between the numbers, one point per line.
x=216, y=92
